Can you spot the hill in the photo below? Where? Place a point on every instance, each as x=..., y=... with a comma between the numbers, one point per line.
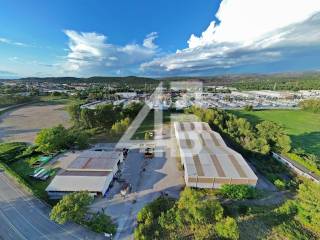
x=120, y=81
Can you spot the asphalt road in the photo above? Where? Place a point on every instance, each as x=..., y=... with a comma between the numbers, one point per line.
x=24, y=217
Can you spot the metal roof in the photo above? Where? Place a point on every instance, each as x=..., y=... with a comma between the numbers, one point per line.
x=89, y=171
x=73, y=181
x=205, y=154
x=95, y=161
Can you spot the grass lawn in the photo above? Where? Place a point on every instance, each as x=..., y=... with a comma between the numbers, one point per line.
x=303, y=127
x=148, y=124
x=22, y=168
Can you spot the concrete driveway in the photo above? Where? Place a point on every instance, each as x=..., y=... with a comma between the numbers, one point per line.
x=149, y=177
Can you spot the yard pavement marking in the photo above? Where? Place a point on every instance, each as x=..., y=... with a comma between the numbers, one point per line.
x=11, y=225
x=22, y=195
x=22, y=216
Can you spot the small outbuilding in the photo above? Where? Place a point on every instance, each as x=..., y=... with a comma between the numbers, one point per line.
x=91, y=171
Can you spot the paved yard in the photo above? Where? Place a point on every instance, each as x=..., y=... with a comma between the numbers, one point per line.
x=149, y=177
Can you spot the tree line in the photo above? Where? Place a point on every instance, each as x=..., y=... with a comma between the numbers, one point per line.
x=9, y=99
x=195, y=215
x=312, y=105
x=107, y=117
x=263, y=138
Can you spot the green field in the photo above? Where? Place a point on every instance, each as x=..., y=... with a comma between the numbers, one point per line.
x=148, y=124
x=303, y=127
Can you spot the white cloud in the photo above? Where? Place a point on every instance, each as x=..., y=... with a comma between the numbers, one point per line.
x=10, y=42
x=148, y=42
x=248, y=31
x=91, y=52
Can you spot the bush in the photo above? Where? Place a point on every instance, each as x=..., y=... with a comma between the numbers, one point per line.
x=280, y=185
x=120, y=127
x=288, y=208
x=243, y=209
x=10, y=152
x=238, y=192
x=227, y=229
x=101, y=223
x=248, y=108
x=312, y=105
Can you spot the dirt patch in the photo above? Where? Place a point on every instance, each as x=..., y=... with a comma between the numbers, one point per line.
x=24, y=123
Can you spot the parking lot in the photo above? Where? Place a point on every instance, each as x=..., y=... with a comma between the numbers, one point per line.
x=149, y=179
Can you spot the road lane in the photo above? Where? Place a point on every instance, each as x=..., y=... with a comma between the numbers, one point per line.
x=25, y=217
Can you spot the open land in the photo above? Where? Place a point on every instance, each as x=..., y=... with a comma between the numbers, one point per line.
x=303, y=127
x=24, y=123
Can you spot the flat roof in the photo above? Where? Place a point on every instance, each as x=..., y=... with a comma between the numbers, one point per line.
x=95, y=161
x=205, y=154
x=71, y=181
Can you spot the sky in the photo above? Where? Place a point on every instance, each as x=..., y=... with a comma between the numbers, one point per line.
x=157, y=38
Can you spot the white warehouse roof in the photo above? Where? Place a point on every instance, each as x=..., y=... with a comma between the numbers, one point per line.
x=207, y=160
x=71, y=182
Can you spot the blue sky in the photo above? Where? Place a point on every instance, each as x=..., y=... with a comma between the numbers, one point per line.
x=157, y=38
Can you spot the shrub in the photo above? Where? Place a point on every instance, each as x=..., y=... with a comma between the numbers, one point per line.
x=10, y=152
x=238, y=192
x=227, y=229
x=248, y=108
x=101, y=223
x=281, y=185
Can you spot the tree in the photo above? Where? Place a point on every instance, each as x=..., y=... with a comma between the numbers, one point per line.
x=87, y=118
x=106, y=116
x=74, y=111
x=308, y=205
x=72, y=207
x=147, y=218
x=120, y=126
x=278, y=140
x=131, y=110
x=50, y=140
x=194, y=216
x=78, y=138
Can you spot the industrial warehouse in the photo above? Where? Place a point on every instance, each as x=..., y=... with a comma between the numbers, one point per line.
x=208, y=162
x=91, y=171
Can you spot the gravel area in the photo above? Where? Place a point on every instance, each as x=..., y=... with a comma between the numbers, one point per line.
x=24, y=123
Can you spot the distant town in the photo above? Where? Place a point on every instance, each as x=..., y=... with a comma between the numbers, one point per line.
x=121, y=149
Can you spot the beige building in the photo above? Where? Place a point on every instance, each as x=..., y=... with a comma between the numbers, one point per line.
x=208, y=162
x=91, y=171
